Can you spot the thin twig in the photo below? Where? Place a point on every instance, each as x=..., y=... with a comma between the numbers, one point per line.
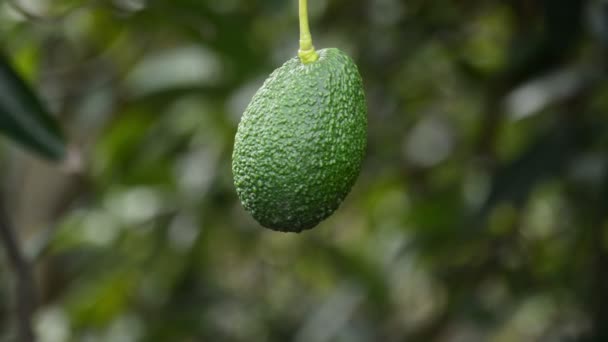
x=24, y=287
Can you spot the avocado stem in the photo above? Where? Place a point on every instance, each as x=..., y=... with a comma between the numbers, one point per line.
x=307, y=51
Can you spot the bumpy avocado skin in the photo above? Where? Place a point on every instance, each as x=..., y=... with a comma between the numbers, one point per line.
x=300, y=143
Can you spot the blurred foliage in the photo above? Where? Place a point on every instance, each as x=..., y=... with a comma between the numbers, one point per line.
x=480, y=213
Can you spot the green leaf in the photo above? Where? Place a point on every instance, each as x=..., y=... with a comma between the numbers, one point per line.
x=24, y=119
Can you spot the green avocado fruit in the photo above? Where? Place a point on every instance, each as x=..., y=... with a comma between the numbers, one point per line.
x=300, y=143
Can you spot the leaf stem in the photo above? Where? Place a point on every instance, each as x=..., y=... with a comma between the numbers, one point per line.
x=307, y=51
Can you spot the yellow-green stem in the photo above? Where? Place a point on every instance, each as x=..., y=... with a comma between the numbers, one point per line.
x=307, y=51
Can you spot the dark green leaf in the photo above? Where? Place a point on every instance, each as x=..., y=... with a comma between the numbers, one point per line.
x=24, y=119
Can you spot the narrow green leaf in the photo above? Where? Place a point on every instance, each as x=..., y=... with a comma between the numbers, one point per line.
x=24, y=119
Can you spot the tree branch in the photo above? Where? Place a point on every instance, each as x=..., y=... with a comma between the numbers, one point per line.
x=24, y=287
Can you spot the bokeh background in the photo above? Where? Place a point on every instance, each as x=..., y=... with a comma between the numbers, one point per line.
x=480, y=213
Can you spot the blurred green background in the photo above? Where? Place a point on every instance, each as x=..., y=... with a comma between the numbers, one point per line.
x=480, y=213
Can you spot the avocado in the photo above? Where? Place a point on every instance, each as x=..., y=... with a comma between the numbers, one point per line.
x=300, y=143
